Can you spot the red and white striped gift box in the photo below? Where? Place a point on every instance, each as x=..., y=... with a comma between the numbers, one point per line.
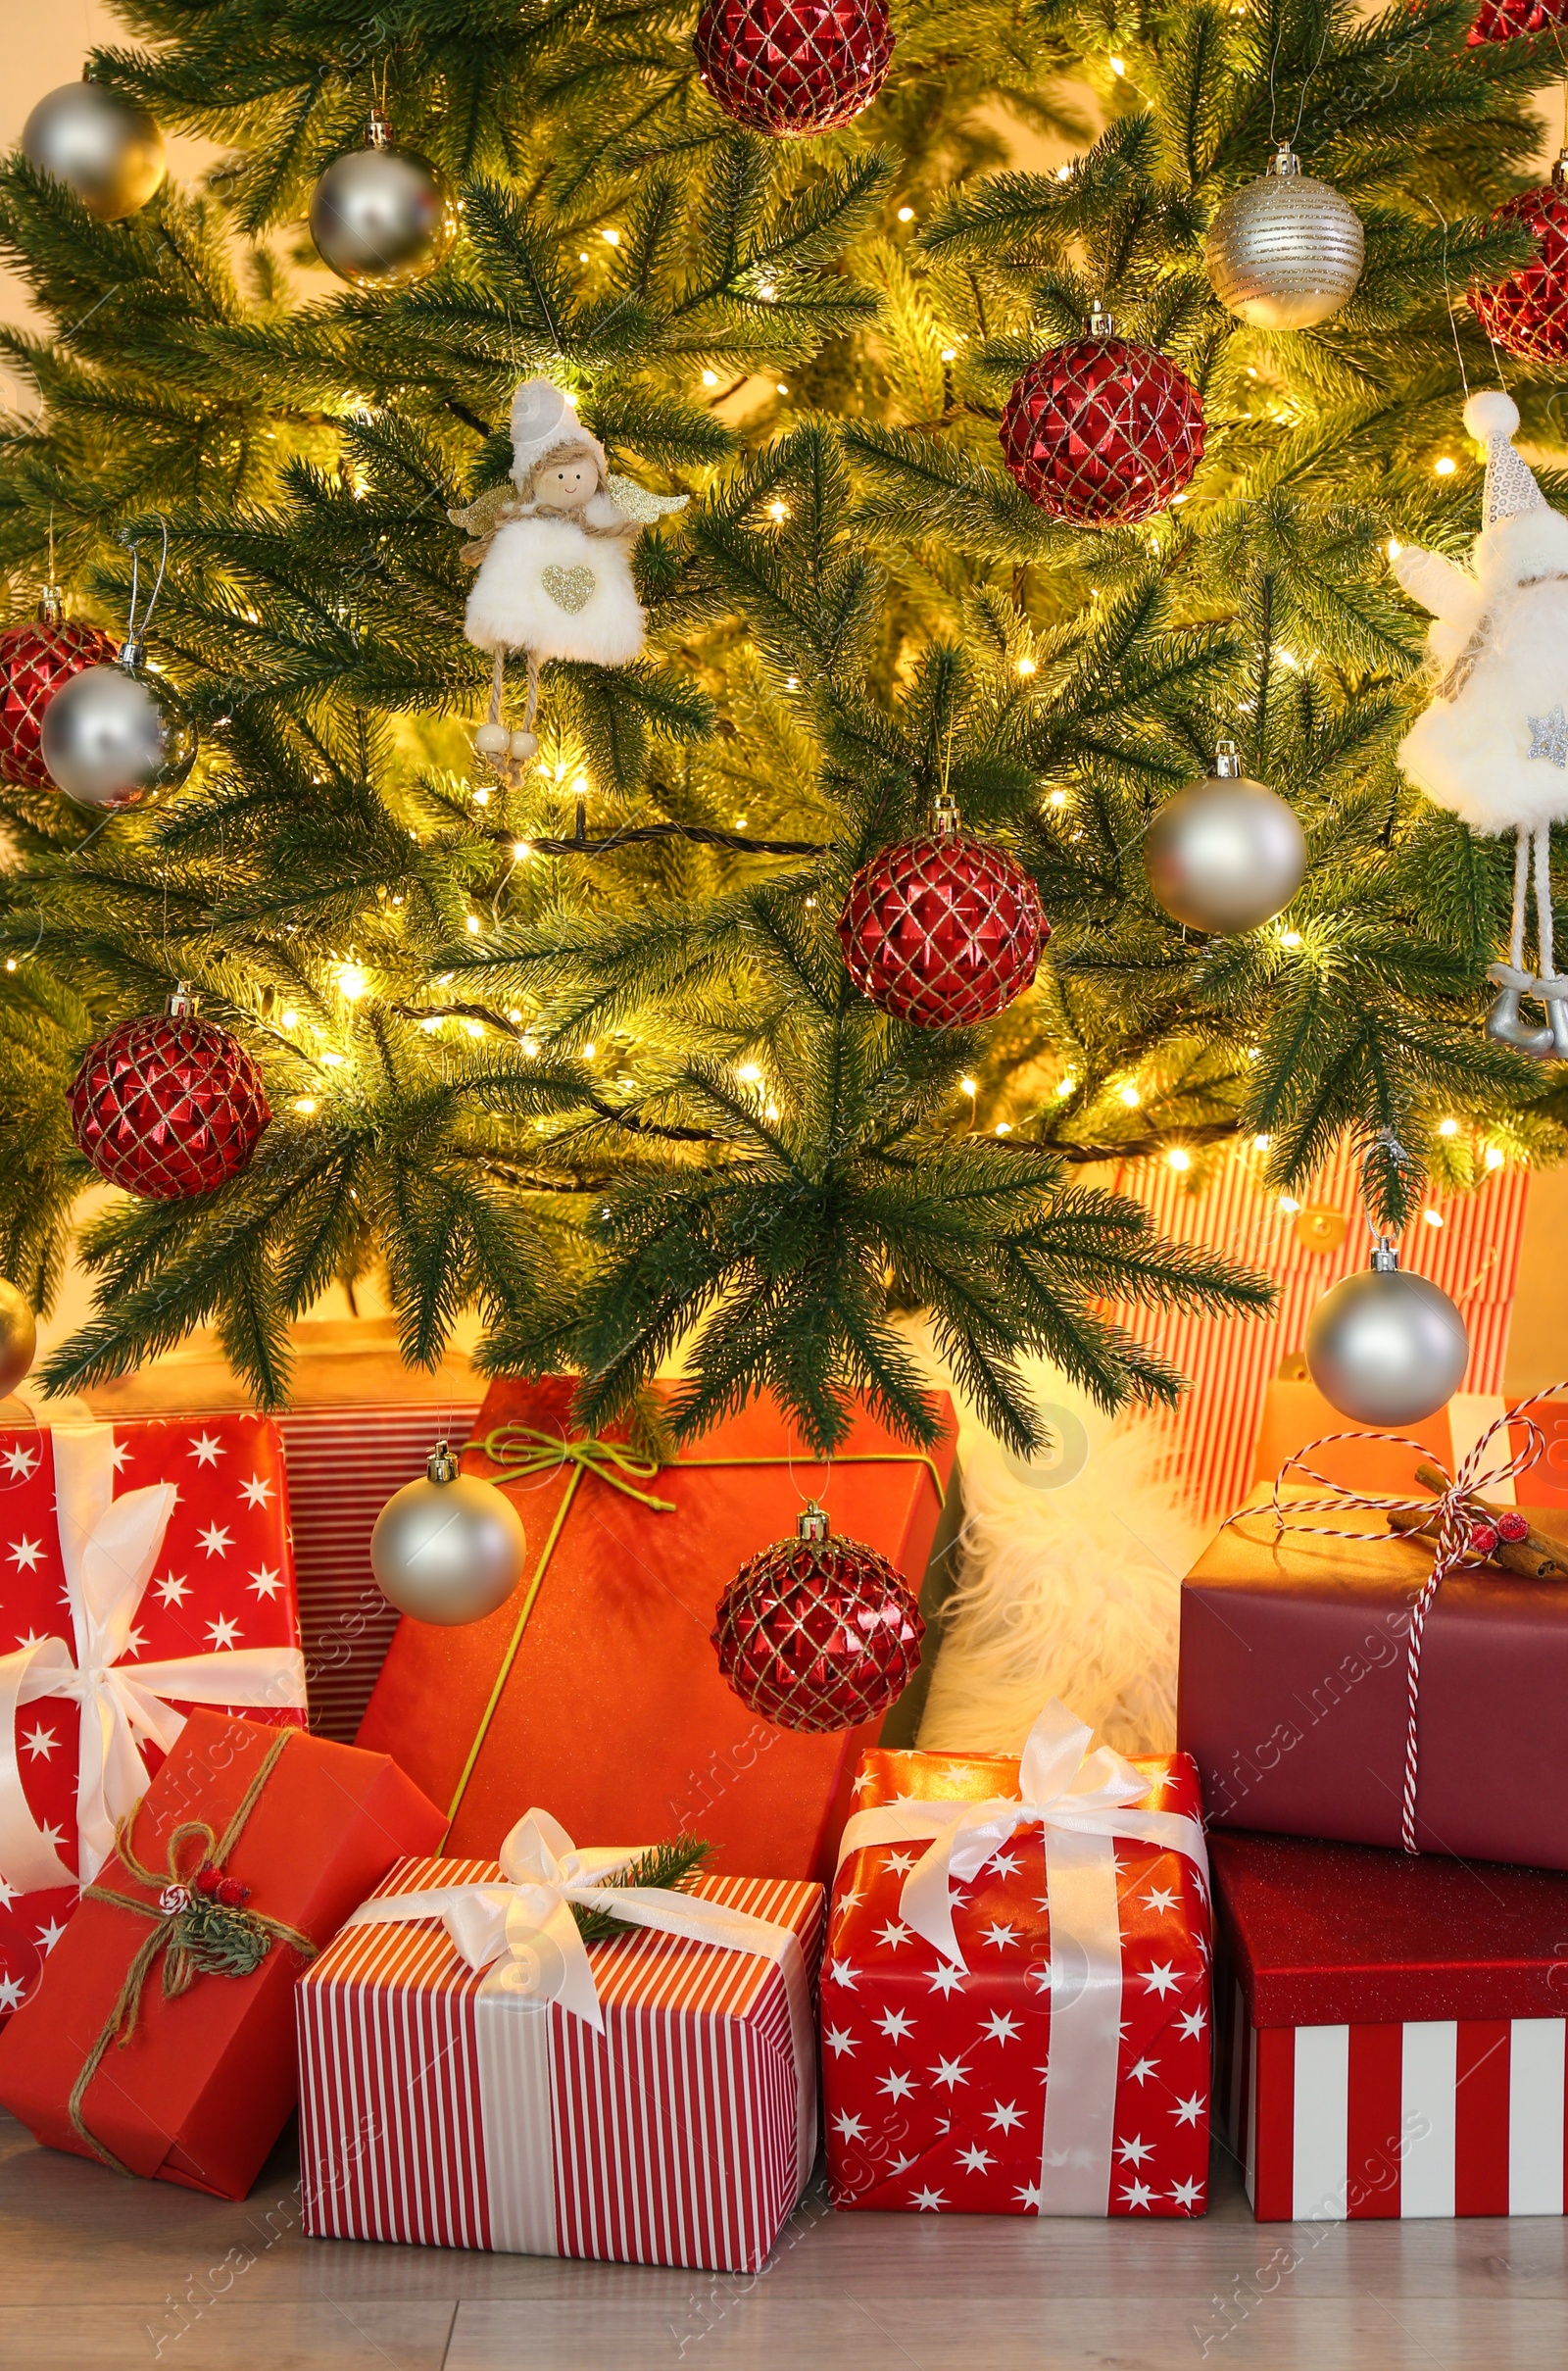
x=1392, y=2031
x=429, y=2111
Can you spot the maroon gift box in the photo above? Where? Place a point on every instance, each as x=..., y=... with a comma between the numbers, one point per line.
x=1293, y=1693
x=1392, y=2031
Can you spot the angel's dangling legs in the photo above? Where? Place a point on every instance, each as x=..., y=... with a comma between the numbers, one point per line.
x=1504, y=1022
x=1552, y=991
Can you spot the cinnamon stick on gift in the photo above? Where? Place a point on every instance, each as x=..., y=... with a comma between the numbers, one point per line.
x=1531, y=1554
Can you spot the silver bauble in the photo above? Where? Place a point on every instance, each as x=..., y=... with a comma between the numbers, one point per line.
x=1386, y=1348
x=19, y=1337
x=449, y=1548
x=1226, y=852
x=382, y=215
x=108, y=151
x=1285, y=251
x=113, y=733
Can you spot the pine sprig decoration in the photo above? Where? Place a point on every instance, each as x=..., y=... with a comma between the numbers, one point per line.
x=667, y=1865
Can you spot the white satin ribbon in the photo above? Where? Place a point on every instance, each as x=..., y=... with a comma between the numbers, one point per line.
x=1082, y=1801
x=109, y=1547
x=521, y=1933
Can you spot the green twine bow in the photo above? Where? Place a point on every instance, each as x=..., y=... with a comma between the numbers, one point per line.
x=197, y=1932
x=522, y=1450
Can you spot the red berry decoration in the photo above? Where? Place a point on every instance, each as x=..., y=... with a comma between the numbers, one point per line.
x=1528, y=315
x=170, y=1105
x=207, y=1879
x=231, y=1894
x=818, y=1633
x=36, y=660
x=1102, y=433
x=1512, y=20
x=944, y=930
x=793, y=68
x=1512, y=1526
x=1482, y=1538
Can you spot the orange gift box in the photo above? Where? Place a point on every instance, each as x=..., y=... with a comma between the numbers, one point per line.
x=596, y=1689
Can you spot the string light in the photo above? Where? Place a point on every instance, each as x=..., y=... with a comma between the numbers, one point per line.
x=750, y=1071
x=710, y=378
x=1432, y=1218
x=521, y=851
x=588, y=1051
x=1178, y=1158
x=1289, y=1202
x=1058, y=798
x=1290, y=938
x=612, y=238
x=1447, y=1127
x=305, y=1105
x=1131, y=1097
x=1004, y=1127
x=1026, y=666
x=1260, y=1144
x=1445, y=465
x=350, y=981
x=482, y=798
x=949, y=354
x=333, y=1062
x=1493, y=1156
x=1066, y=1086
x=471, y=925
x=1118, y=66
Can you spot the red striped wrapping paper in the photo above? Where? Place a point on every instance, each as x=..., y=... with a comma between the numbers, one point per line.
x=673, y=2136
x=1445, y=2116
x=1474, y=1255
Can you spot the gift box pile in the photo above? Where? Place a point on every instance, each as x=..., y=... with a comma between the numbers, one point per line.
x=1015, y=1996
x=144, y=1568
x=1374, y=1713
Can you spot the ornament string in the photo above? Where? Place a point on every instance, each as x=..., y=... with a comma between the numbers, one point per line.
x=195, y=1932
x=1452, y=1509
x=542, y=1453
x=131, y=635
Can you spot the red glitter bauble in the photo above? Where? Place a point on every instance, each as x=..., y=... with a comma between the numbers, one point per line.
x=818, y=1633
x=1103, y=433
x=36, y=660
x=942, y=931
x=1510, y=20
x=1528, y=313
x=793, y=66
x=170, y=1105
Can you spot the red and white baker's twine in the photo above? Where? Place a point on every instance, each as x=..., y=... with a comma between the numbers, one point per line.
x=1454, y=1547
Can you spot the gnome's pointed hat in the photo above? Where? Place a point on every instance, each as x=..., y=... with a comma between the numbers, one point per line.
x=1491, y=418
x=542, y=420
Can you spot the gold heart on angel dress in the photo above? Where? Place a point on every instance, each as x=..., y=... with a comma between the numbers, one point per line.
x=571, y=589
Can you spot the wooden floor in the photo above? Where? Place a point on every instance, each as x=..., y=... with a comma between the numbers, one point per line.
x=97, y=2272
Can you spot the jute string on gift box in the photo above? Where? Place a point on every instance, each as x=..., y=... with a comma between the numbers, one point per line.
x=196, y=1934
x=521, y=1452
x=1454, y=1510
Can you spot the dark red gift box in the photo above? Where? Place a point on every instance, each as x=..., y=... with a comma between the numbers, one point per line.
x=596, y=1689
x=1391, y=2030
x=1293, y=1693
x=206, y=2081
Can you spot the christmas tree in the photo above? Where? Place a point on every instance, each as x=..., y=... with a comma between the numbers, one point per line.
x=567, y=1032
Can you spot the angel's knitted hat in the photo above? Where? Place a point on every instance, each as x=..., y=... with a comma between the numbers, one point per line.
x=1491, y=418
x=542, y=420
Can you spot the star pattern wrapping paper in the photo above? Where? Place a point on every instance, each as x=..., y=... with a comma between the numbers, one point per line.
x=224, y=1578
x=934, y=2081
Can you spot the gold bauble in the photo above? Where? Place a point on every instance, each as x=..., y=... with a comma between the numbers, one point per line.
x=382, y=216
x=1285, y=251
x=18, y=1338
x=103, y=147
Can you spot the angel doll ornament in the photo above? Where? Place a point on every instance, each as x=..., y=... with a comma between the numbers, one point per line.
x=1492, y=746
x=554, y=555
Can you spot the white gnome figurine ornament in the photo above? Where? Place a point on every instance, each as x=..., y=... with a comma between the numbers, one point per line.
x=554, y=555
x=1492, y=746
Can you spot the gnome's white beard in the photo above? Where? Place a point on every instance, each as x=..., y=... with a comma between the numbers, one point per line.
x=1471, y=751
x=510, y=607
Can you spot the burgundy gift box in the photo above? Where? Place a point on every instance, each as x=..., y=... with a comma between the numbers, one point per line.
x=1392, y=2031
x=1293, y=1693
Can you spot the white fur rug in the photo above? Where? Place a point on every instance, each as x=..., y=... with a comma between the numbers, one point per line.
x=1067, y=1587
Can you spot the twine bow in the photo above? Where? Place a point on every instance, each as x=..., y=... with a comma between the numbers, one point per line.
x=522, y=1450
x=201, y=1927
x=1453, y=1514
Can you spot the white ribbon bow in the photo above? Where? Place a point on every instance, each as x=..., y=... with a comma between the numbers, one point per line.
x=1061, y=1787
x=108, y=1548
x=1082, y=1801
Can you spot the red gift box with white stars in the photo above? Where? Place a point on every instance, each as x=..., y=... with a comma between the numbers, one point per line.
x=935, y=2080
x=145, y=1567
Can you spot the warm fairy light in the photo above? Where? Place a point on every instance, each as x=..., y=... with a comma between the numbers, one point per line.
x=1447, y=1127
x=1004, y=1127
x=1064, y=173
x=811, y=905
x=471, y=925
x=333, y=1062
x=522, y=850
x=1057, y=798
x=515, y=1016
x=530, y=1048
x=766, y=292
x=750, y=1071
x=1260, y=1144
x=582, y=255
x=1118, y=66
x=1131, y=1097
x=777, y=510
x=579, y=787
x=779, y=387
x=905, y=214
x=1445, y=465
x=949, y=354
x=770, y=1110
x=560, y=772
x=1026, y=666
x=612, y=238
x=1431, y=1219
x=1066, y=1086
x=1289, y=1202
x=350, y=981
x=305, y=1105
x=969, y=1086
x=740, y=823
x=1493, y=1156
x=791, y=683
x=475, y=1028
x=1290, y=938
x=1395, y=547
x=710, y=378
x=482, y=798
x=588, y=1052
x=1178, y=1158
x=431, y=1026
